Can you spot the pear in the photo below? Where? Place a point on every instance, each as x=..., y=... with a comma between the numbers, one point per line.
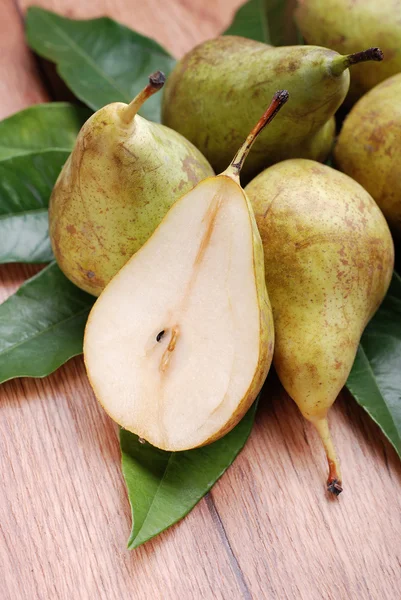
x=328, y=261
x=369, y=147
x=180, y=341
x=345, y=26
x=222, y=77
x=122, y=177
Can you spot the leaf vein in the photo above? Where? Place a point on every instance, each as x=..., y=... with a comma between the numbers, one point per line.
x=43, y=331
x=170, y=459
x=74, y=46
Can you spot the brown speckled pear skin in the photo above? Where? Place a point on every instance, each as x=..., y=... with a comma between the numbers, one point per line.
x=369, y=147
x=347, y=26
x=328, y=263
x=116, y=187
x=218, y=89
x=187, y=323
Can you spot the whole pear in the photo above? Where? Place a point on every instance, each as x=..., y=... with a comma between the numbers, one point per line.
x=121, y=178
x=328, y=262
x=369, y=147
x=345, y=25
x=187, y=324
x=218, y=89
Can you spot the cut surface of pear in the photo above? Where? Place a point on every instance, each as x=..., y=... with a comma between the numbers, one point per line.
x=175, y=340
x=179, y=343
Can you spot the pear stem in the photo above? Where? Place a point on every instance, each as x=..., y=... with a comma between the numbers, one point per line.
x=279, y=99
x=334, y=478
x=340, y=63
x=156, y=82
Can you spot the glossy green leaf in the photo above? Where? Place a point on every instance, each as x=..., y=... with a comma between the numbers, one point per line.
x=100, y=60
x=34, y=145
x=282, y=28
x=26, y=183
x=42, y=325
x=375, y=379
x=41, y=127
x=164, y=486
x=250, y=21
x=269, y=21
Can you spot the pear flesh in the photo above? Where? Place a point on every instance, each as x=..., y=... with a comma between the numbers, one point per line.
x=120, y=180
x=328, y=261
x=178, y=345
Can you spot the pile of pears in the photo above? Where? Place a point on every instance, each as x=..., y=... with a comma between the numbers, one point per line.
x=203, y=284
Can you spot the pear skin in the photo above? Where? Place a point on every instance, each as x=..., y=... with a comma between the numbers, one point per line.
x=346, y=26
x=369, y=147
x=328, y=262
x=179, y=343
x=222, y=77
x=120, y=180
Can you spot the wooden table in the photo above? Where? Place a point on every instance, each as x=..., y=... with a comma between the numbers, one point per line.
x=267, y=530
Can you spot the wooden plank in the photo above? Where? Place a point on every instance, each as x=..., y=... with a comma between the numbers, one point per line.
x=267, y=530
x=177, y=25
x=290, y=538
x=20, y=84
x=64, y=514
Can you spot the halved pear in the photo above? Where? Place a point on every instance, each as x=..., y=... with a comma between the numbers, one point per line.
x=179, y=343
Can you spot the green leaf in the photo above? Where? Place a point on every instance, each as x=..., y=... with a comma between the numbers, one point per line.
x=26, y=183
x=268, y=21
x=250, y=21
x=34, y=145
x=42, y=325
x=282, y=28
x=164, y=486
x=375, y=379
x=40, y=127
x=100, y=60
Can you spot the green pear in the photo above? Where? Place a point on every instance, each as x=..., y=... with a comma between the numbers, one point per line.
x=179, y=343
x=328, y=262
x=369, y=147
x=218, y=89
x=122, y=177
x=345, y=26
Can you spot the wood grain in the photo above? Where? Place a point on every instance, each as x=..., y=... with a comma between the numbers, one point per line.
x=20, y=84
x=177, y=25
x=267, y=530
x=290, y=538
